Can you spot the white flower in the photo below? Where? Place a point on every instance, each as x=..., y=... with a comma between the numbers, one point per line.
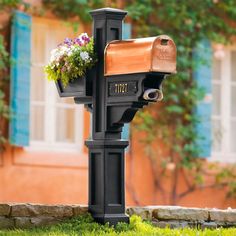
x=70, y=52
x=64, y=49
x=84, y=56
x=54, y=53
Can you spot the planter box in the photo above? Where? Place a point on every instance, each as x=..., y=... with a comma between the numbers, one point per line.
x=80, y=88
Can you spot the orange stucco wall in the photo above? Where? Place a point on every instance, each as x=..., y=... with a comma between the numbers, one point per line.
x=140, y=184
x=46, y=177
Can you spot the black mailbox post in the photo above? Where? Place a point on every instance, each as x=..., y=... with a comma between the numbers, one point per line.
x=113, y=99
x=106, y=150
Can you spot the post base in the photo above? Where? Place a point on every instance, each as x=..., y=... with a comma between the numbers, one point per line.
x=107, y=181
x=112, y=219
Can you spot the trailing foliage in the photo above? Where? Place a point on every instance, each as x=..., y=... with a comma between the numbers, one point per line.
x=174, y=122
x=71, y=8
x=4, y=77
x=85, y=225
x=8, y=4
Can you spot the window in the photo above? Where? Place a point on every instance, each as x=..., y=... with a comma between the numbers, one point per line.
x=224, y=107
x=55, y=123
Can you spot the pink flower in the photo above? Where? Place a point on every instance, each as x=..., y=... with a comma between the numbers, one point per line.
x=78, y=41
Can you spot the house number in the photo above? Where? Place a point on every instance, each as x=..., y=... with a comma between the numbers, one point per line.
x=122, y=88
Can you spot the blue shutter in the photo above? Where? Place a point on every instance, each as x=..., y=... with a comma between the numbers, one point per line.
x=202, y=74
x=20, y=78
x=126, y=34
x=125, y=132
x=126, y=31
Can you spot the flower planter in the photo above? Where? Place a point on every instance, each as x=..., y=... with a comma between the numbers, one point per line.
x=69, y=59
x=80, y=88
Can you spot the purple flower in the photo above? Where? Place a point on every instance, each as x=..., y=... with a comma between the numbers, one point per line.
x=68, y=41
x=78, y=41
x=85, y=38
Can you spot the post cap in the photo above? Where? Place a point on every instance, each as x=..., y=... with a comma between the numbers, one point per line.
x=108, y=11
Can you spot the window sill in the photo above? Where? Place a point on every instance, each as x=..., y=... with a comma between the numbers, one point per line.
x=58, y=148
x=223, y=158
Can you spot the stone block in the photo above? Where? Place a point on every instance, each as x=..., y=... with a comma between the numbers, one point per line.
x=226, y=216
x=6, y=223
x=180, y=213
x=79, y=210
x=22, y=210
x=171, y=224
x=5, y=209
x=41, y=210
x=208, y=225
x=23, y=223
x=144, y=212
x=43, y=221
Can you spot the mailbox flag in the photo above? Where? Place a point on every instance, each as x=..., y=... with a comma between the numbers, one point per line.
x=202, y=74
x=20, y=78
x=126, y=34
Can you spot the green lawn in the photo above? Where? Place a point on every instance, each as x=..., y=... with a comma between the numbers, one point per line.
x=85, y=225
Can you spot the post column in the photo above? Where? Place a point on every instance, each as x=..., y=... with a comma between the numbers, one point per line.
x=106, y=149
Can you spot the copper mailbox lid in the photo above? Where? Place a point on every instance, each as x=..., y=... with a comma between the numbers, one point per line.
x=154, y=54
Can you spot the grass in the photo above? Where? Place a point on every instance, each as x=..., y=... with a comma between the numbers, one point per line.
x=85, y=226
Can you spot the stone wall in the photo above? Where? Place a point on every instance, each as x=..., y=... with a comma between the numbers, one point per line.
x=174, y=216
x=32, y=215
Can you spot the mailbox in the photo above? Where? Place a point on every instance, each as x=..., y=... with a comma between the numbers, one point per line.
x=136, y=68
x=154, y=54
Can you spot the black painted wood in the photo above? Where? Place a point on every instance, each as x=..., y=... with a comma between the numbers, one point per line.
x=106, y=151
x=80, y=88
x=107, y=180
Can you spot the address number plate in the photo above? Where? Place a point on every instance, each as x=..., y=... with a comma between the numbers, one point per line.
x=122, y=88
